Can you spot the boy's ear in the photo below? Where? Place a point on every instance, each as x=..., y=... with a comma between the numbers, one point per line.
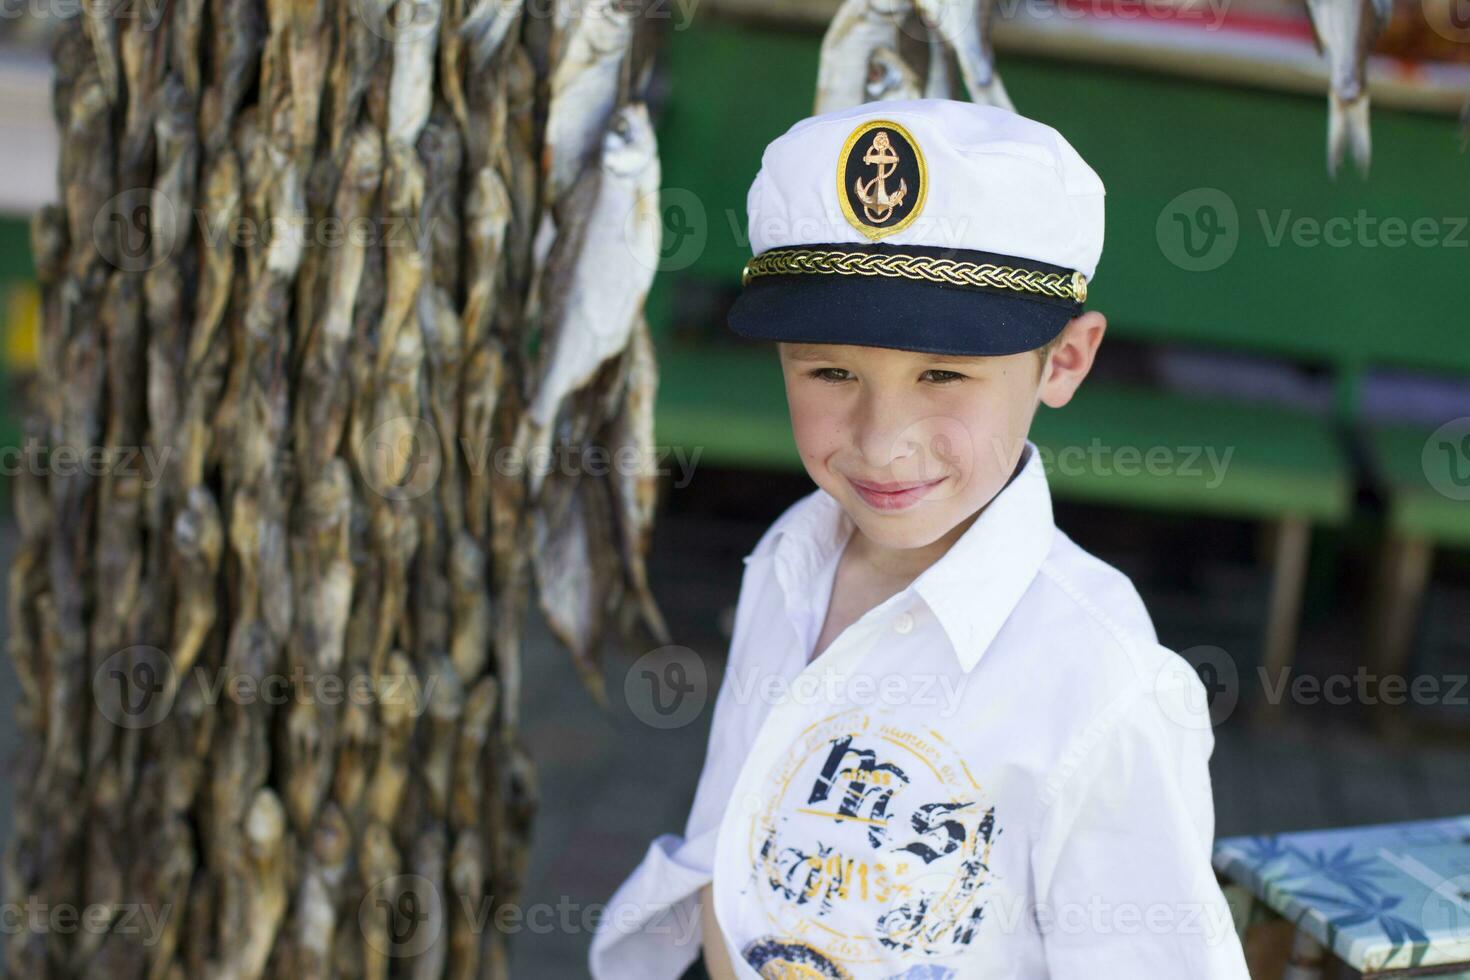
x=1071, y=357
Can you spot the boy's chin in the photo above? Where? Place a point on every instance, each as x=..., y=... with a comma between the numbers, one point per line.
x=915, y=527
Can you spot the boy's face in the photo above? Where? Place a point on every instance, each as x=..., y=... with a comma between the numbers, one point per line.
x=940, y=434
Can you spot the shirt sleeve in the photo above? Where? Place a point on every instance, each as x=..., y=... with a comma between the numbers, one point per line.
x=1124, y=884
x=651, y=928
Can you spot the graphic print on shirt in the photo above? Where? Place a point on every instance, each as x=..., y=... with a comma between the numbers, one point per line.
x=873, y=846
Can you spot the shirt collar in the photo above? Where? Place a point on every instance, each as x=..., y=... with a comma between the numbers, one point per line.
x=971, y=589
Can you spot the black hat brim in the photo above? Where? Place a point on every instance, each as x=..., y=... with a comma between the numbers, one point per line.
x=903, y=314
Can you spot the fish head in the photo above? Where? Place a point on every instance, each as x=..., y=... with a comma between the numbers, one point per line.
x=950, y=19
x=890, y=76
x=629, y=146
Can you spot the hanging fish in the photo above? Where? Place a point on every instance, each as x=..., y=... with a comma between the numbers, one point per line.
x=858, y=29
x=635, y=488
x=964, y=26
x=597, y=283
x=939, y=83
x=1345, y=30
x=584, y=90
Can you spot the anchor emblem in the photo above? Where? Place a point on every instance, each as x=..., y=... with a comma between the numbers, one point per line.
x=881, y=178
x=878, y=202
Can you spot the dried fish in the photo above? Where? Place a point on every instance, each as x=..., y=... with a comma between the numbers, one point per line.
x=410, y=92
x=486, y=27
x=859, y=28
x=636, y=486
x=265, y=830
x=234, y=56
x=427, y=862
x=198, y=538
x=487, y=213
x=964, y=27
x=607, y=273
x=270, y=541
x=939, y=83
x=1345, y=30
x=570, y=591
x=467, y=887
x=584, y=89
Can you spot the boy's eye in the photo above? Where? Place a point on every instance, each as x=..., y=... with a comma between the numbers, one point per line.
x=833, y=375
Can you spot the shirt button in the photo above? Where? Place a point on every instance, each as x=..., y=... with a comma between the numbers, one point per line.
x=903, y=623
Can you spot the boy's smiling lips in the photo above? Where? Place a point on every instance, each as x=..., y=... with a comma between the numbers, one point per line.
x=890, y=487
x=892, y=496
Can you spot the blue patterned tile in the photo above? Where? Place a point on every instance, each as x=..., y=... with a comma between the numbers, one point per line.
x=1381, y=897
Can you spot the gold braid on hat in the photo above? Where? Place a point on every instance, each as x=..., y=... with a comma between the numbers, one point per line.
x=798, y=261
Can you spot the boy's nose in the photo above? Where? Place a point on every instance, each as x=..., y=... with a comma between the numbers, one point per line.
x=885, y=433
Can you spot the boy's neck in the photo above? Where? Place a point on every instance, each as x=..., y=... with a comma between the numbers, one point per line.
x=904, y=564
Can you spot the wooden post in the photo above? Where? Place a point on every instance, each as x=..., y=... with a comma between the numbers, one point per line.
x=1307, y=958
x=1289, y=539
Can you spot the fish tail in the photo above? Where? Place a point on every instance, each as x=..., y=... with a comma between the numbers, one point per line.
x=531, y=441
x=653, y=617
x=1348, y=133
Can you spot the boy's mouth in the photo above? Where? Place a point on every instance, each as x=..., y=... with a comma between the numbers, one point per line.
x=893, y=496
x=891, y=487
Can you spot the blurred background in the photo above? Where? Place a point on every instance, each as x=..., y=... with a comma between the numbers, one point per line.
x=1275, y=443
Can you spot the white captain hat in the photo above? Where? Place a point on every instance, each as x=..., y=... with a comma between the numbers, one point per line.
x=922, y=224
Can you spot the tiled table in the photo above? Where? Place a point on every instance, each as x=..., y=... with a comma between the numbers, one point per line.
x=1383, y=899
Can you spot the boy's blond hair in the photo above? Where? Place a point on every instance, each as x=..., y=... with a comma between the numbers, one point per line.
x=1045, y=349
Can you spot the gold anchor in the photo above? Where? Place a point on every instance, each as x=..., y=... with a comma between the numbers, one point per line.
x=878, y=204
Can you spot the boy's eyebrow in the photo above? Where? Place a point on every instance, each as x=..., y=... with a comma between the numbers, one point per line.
x=808, y=352
x=822, y=352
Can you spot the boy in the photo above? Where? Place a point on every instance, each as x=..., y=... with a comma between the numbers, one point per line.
x=947, y=743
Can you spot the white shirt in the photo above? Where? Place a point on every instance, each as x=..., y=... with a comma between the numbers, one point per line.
x=996, y=772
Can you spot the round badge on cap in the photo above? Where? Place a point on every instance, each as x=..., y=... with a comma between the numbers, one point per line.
x=881, y=178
